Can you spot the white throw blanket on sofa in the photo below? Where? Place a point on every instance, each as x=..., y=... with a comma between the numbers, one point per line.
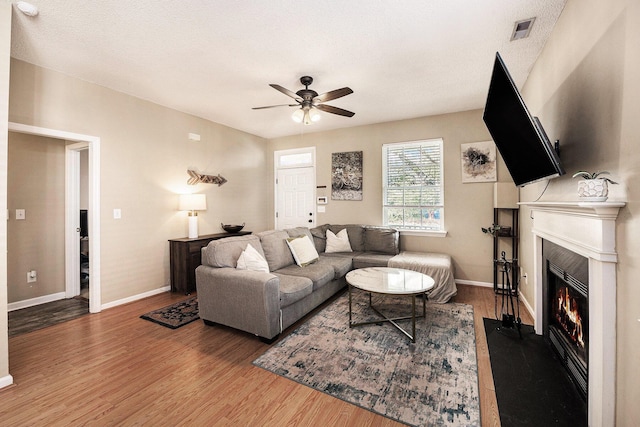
x=438, y=266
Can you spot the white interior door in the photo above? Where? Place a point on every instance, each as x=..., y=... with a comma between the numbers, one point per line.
x=295, y=190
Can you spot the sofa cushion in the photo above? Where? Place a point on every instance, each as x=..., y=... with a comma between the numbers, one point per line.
x=355, y=232
x=340, y=264
x=225, y=252
x=338, y=242
x=276, y=251
x=293, y=288
x=302, y=249
x=251, y=259
x=320, y=274
x=319, y=234
x=381, y=240
x=368, y=259
x=299, y=231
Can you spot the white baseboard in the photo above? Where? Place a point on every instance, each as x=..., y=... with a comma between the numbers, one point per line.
x=61, y=295
x=6, y=381
x=136, y=297
x=527, y=305
x=36, y=301
x=474, y=283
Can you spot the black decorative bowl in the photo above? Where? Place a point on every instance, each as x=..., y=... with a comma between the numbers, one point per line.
x=232, y=228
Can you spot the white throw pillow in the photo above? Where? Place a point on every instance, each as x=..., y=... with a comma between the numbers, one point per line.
x=303, y=250
x=338, y=242
x=250, y=259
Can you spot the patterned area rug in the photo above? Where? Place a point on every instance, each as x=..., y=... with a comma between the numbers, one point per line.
x=433, y=382
x=175, y=315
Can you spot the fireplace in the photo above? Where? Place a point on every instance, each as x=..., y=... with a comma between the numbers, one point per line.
x=566, y=310
x=587, y=230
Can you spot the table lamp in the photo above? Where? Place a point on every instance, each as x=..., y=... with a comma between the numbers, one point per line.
x=193, y=203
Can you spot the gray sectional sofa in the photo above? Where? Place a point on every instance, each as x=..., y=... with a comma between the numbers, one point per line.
x=266, y=303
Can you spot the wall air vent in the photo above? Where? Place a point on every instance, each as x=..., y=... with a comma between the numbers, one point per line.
x=521, y=29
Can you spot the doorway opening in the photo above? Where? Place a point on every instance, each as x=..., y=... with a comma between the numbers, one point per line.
x=78, y=143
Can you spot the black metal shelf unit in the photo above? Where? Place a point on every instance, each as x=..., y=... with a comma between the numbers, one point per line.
x=505, y=234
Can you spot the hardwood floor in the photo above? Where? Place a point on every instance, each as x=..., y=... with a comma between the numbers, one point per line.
x=113, y=368
x=45, y=315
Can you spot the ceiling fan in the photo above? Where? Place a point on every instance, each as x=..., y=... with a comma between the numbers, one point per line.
x=309, y=102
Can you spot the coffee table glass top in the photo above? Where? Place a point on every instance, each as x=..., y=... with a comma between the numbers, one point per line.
x=386, y=280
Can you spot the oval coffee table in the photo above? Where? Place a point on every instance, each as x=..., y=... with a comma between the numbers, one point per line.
x=390, y=281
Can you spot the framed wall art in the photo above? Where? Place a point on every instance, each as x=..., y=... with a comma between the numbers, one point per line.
x=478, y=162
x=346, y=176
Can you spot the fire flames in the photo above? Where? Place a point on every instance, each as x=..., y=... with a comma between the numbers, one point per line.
x=568, y=315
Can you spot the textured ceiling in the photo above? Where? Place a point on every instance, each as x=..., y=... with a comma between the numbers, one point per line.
x=215, y=58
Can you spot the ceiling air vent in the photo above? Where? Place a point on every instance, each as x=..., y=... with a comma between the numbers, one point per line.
x=521, y=29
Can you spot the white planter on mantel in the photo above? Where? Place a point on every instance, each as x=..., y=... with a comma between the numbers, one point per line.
x=593, y=190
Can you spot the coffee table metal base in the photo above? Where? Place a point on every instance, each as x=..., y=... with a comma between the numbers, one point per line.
x=394, y=320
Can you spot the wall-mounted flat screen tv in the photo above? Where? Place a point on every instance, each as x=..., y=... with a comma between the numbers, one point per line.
x=519, y=137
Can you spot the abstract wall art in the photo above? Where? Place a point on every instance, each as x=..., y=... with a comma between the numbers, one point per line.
x=478, y=162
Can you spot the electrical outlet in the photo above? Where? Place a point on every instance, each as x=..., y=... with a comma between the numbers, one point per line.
x=32, y=276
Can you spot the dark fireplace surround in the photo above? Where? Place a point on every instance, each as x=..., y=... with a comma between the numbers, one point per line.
x=565, y=276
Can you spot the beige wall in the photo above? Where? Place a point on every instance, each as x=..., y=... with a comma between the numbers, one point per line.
x=5, y=52
x=145, y=154
x=35, y=183
x=585, y=87
x=468, y=207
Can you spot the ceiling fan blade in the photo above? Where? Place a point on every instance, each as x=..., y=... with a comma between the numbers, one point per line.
x=285, y=91
x=334, y=94
x=334, y=110
x=274, y=106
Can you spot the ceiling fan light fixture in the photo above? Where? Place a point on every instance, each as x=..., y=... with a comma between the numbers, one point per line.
x=314, y=115
x=298, y=115
x=310, y=102
x=307, y=117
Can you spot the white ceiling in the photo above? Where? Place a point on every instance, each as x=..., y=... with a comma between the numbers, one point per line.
x=215, y=58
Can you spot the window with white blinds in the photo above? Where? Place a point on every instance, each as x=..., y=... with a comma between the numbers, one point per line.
x=413, y=187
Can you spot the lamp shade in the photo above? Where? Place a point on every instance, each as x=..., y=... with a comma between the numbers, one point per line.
x=192, y=202
x=314, y=115
x=298, y=115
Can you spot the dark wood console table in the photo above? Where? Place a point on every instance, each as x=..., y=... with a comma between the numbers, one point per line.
x=184, y=257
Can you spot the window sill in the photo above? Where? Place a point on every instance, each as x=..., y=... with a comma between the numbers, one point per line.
x=423, y=233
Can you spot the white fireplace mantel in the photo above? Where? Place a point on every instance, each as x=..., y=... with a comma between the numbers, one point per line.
x=588, y=229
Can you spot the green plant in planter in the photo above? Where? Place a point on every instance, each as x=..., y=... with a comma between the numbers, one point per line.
x=593, y=187
x=593, y=175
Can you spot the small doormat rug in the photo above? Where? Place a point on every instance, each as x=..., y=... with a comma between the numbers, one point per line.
x=175, y=315
x=433, y=382
x=532, y=388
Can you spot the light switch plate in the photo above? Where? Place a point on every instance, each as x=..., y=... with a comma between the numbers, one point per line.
x=20, y=214
x=117, y=214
